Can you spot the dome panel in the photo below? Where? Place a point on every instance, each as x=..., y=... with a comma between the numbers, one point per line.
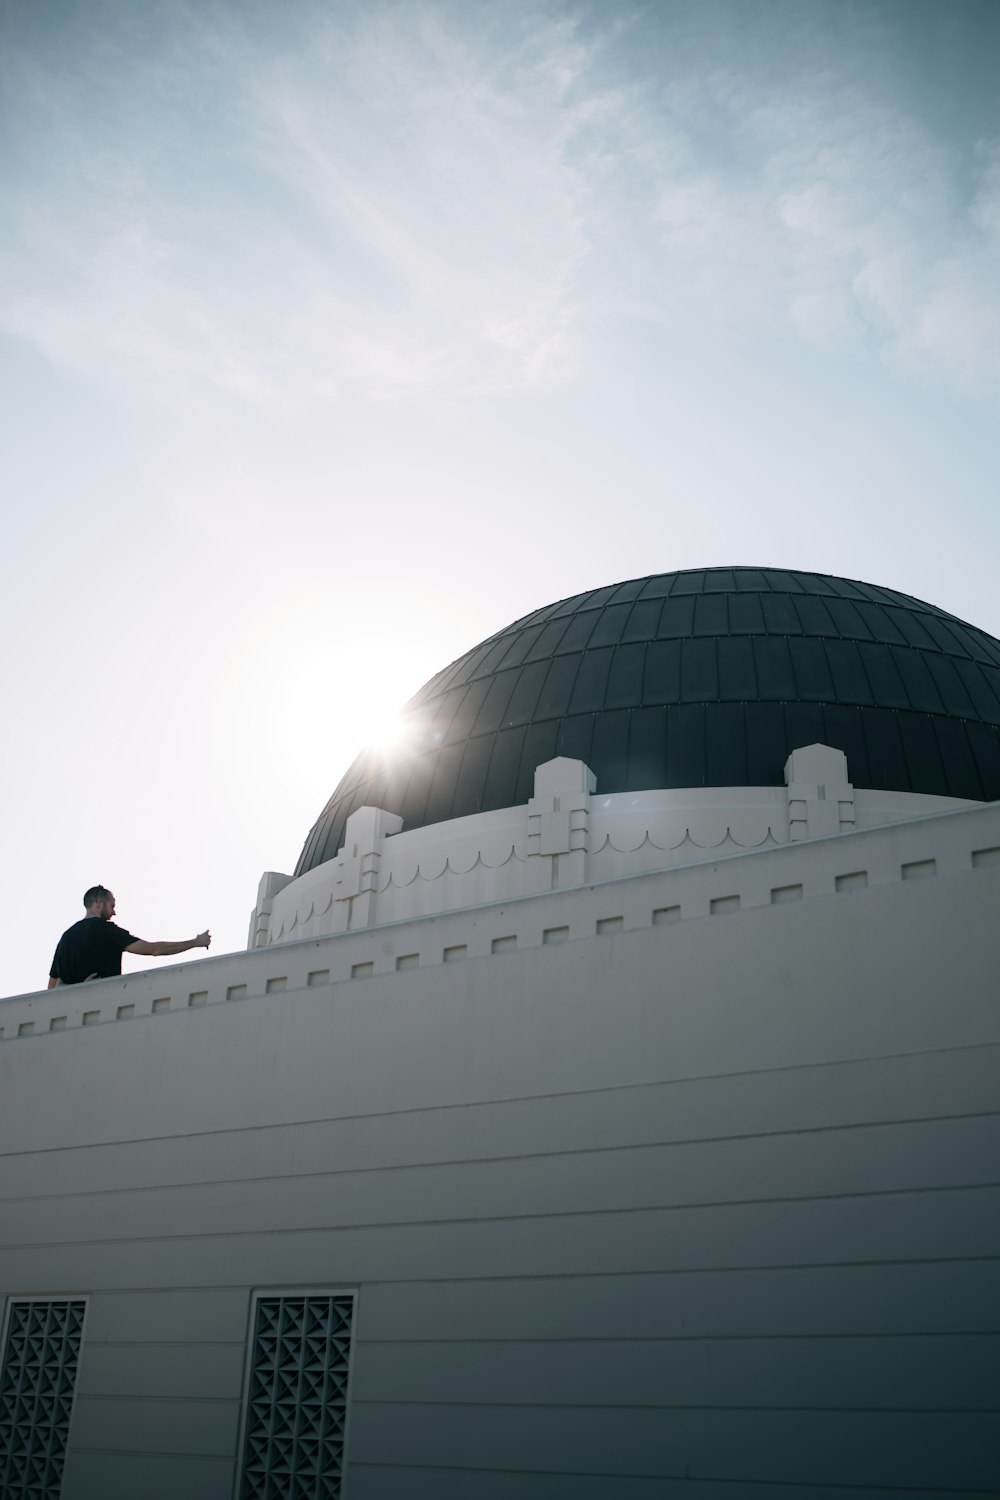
x=705, y=678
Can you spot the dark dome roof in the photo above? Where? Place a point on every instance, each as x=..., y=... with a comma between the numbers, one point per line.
x=704, y=678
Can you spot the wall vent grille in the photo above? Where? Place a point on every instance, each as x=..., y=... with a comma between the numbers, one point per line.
x=37, y=1380
x=296, y=1406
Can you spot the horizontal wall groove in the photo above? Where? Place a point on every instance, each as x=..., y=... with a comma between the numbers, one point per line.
x=676, y=1143
x=797, y=1267
x=765, y=1485
x=717, y=1406
x=35, y=1289
x=856, y=1336
x=443, y=1223
x=680, y=1081
x=157, y=1453
x=97, y=1398
x=99, y=1343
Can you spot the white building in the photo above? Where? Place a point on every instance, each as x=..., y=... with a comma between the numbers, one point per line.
x=606, y=1108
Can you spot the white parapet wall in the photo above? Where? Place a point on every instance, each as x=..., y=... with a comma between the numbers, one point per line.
x=938, y=847
x=686, y=1172
x=568, y=835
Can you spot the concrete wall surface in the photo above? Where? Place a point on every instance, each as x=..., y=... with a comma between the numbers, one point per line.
x=683, y=1185
x=566, y=836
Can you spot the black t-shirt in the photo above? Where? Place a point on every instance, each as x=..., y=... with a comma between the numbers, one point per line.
x=90, y=947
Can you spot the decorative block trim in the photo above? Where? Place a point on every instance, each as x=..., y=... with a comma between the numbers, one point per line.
x=961, y=845
x=718, y=906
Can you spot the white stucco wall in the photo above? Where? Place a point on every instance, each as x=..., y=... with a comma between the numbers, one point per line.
x=567, y=835
x=687, y=1176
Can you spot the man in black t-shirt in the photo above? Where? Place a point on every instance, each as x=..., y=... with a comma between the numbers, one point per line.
x=92, y=948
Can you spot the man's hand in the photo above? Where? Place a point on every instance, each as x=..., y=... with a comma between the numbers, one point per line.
x=203, y=940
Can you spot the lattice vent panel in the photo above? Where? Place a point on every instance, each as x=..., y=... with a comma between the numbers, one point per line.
x=37, y=1379
x=297, y=1398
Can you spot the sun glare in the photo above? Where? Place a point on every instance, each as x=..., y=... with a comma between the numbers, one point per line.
x=382, y=731
x=333, y=707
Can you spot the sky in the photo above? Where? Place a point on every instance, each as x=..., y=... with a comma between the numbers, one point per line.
x=336, y=336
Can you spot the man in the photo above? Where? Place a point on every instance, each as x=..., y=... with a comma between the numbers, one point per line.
x=92, y=948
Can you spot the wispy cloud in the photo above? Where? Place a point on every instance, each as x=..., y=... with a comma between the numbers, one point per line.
x=384, y=205
x=450, y=198
x=827, y=209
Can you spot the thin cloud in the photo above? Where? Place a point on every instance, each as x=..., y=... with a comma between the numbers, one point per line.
x=408, y=221
x=453, y=199
x=827, y=210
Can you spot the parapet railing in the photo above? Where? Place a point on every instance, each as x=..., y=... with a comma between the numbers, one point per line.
x=943, y=846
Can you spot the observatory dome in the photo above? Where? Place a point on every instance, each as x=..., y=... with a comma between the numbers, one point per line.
x=700, y=678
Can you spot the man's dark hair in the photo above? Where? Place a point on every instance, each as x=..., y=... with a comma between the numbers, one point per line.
x=96, y=893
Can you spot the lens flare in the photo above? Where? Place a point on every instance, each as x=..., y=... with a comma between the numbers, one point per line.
x=385, y=733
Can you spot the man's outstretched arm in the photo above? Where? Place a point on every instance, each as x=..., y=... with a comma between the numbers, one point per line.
x=166, y=950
